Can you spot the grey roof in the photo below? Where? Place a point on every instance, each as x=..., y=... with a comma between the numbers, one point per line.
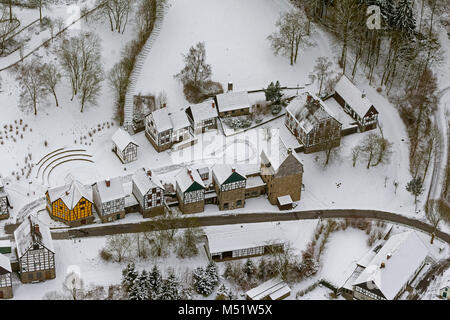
x=25, y=236
x=286, y=164
x=161, y=120
x=71, y=193
x=144, y=182
x=186, y=177
x=232, y=101
x=113, y=192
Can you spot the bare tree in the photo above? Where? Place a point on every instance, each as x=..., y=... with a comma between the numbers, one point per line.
x=80, y=58
x=119, y=246
x=355, y=154
x=292, y=33
x=321, y=71
x=29, y=75
x=435, y=210
x=375, y=149
x=196, y=71
x=7, y=26
x=40, y=4
x=117, y=12
x=50, y=79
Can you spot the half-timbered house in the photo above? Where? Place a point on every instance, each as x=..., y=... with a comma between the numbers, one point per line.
x=109, y=199
x=356, y=104
x=283, y=174
x=124, y=146
x=71, y=204
x=4, y=202
x=310, y=121
x=202, y=116
x=181, y=127
x=158, y=129
x=392, y=269
x=35, y=252
x=5, y=278
x=190, y=191
x=230, y=186
x=149, y=192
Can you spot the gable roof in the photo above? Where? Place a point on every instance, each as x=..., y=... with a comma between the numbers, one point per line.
x=71, y=193
x=202, y=111
x=406, y=251
x=122, y=139
x=232, y=101
x=309, y=110
x=226, y=172
x=179, y=120
x=187, y=178
x=5, y=265
x=353, y=96
x=25, y=236
x=161, y=120
x=113, y=192
x=144, y=182
x=281, y=164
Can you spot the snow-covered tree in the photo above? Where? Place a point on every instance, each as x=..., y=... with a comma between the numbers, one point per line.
x=119, y=246
x=116, y=12
x=187, y=245
x=404, y=19
x=415, y=186
x=262, y=269
x=249, y=268
x=196, y=71
x=40, y=4
x=129, y=274
x=205, y=279
x=274, y=93
x=29, y=76
x=170, y=289
x=140, y=290
x=224, y=293
x=292, y=33
x=388, y=12
x=155, y=283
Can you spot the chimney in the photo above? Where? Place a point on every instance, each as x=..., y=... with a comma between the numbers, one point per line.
x=363, y=95
x=189, y=171
x=213, y=105
x=149, y=173
x=36, y=229
x=388, y=256
x=308, y=98
x=289, y=151
x=108, y=183
x=67, y=192
x=233, y=169
x=382, y=265
x=230, y=86
x=164, y=105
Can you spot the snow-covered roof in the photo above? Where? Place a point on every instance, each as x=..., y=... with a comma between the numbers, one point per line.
x=353, y=96
x=179, y=120
x=112, y=192
x=284, y=200
x=5, y=265
x=71, y=193
x=285, y=163
x=161, y=120
x=144, y=181
x=122, y=139
x=406, y=253
x=25, y=236
x=309, y=110
x=275, y=288
x=445, y=283
x=244, y=238
x=232, y=101
x=223, y=171
x=255, y=181
x=2, y=189
x=186, y=177
x=203, y=111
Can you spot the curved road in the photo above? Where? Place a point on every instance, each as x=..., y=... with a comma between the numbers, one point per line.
x=149, y=225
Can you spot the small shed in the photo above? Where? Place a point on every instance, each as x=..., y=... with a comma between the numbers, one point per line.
x=285, y=202
x=273, y=289
x=204, y=173
x=5, y=246
x=124, y=146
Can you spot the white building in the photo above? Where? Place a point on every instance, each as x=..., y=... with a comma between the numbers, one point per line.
x=190, y=190
x=230, y=104
x=243, y=243
x=392, y=269
x=202, y=116
x=124, y=146
x=149, y=192
x=109, y=199
x=273, y=289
